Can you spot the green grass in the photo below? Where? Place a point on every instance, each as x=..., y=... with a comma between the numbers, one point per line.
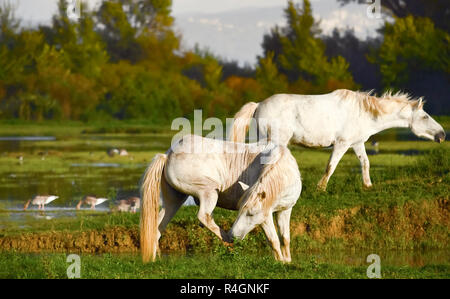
x=73, y=128
x=407, y=209
x=82, y=221
x=219, y=265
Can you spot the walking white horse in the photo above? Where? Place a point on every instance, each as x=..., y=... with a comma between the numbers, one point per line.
x=341, y=119
x=225, y=174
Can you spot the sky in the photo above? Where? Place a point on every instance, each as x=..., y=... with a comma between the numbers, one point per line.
x=232, y=29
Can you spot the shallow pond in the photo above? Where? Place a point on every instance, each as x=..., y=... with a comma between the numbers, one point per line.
x=71, y=167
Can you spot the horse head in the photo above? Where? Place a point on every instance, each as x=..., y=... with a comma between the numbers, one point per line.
x=248, y=218
x=423, y=125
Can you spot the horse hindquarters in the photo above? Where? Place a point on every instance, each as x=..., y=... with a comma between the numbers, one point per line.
x=172, y=200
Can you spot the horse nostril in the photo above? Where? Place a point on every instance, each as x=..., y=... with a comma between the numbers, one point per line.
x=439, y=137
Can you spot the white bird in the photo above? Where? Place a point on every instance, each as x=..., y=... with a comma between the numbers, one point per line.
x=129, y=204
x=40, y=201
x=123, y=152
x=91, y=200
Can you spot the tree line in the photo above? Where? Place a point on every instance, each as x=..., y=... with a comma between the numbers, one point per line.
x=123, y=60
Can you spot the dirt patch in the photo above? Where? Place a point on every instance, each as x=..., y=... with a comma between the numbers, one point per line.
x=115, y=240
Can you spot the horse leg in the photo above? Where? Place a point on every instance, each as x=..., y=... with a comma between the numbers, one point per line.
x=283, y=218
x=208, y=201
x=338, y=151
x=172, y=201
x=360, y=151
x=271, y=234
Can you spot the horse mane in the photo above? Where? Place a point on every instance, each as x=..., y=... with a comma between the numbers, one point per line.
x=376, y=106
x=239, y=156
x=270, y=183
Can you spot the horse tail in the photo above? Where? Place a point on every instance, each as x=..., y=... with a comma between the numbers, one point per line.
x=150, y=190
x=242, y=122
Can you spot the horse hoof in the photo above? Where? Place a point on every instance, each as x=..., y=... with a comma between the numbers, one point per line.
x=228, y=244
x=322, y=188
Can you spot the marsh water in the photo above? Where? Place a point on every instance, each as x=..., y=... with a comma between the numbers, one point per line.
x=71, y=167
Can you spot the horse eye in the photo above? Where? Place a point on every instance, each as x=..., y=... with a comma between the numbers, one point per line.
x=425, y=117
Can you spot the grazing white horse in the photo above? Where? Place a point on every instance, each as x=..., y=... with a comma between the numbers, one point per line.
x=341, y=119
x=225, y=174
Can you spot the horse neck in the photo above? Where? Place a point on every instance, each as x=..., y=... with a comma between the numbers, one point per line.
x=390, y=120
x=238, y=163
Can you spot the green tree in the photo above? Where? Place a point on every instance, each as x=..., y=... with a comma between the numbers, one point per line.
x=83, y=50
x=117, y=32
x=303, y=53
x=268, y=76
x=136, y=30
x=9, y=24
x=412, y=45
x=10, y=66
x=437, y=10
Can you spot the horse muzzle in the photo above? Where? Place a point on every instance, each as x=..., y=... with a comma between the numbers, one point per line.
x=227, y=237
x=439, y=137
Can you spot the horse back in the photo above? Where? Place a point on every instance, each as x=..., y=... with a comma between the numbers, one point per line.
x=309, y=120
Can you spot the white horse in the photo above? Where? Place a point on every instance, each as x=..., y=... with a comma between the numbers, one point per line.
x=341, y=119
x=225, y=174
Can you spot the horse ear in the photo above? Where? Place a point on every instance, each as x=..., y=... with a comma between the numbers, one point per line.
x=418, y=104
x=421, y=103
x=243, y=185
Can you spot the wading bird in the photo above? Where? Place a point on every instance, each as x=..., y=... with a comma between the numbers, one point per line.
x=130, y=204
x=40, y=201
x=92, y=201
